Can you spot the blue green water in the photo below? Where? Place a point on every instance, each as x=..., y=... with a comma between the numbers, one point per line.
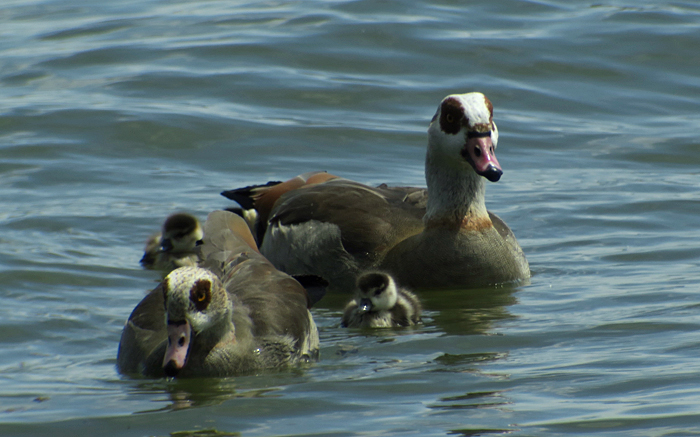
x=115, y=114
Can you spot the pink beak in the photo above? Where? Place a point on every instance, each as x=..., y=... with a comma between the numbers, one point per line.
x=178, y=347
x=479, y=151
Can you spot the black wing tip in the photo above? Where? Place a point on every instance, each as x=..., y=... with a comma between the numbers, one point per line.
x=243, y=195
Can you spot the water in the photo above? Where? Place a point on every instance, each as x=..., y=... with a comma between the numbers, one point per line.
x=115, y=114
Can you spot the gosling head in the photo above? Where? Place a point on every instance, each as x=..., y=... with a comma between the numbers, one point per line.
x=181, y=233
x=375, y=292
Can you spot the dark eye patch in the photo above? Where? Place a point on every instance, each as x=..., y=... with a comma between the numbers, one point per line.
x=452, y=116
x=200, y=294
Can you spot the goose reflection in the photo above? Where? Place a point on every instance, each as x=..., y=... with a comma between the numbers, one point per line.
x=470, y=312
x=199, y=392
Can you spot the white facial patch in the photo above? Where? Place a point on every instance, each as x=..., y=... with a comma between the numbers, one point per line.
x=182, y=279
x=475, y=108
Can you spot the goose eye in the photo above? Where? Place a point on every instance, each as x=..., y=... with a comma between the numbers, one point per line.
x=451, y=115
x=200, y=294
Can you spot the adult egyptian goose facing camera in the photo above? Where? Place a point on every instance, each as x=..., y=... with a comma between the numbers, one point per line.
x=233, y=314
x=443, y=239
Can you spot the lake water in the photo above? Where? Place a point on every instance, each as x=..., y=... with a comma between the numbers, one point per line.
x=115, y=114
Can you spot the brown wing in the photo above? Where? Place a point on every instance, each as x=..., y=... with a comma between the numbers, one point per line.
x=508, y=236
x=371, y=220
x=277, y=303
x=143, y=335
x=262, y=198
x=502, y=228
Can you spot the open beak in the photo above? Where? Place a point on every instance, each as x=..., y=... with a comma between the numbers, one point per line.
x=480, y=153
x=179, y=336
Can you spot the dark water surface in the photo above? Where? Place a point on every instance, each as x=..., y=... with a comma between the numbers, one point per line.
x=115, y=114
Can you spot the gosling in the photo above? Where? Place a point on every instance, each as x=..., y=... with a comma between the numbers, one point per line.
x=379, y=303
x=175, y=246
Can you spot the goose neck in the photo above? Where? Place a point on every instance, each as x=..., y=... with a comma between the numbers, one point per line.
x=455, y=193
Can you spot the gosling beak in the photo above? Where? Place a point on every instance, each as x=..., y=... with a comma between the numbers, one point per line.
x=364, y=306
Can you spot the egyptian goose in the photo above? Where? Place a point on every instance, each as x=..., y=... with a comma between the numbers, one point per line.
x=443, y=239
x=175, y=246
x=233, y=314
x=379, y=303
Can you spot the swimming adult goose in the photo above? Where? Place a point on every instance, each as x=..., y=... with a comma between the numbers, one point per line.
x=233, y=314
x=175, y=246
x=379, y=303
x=339, y=228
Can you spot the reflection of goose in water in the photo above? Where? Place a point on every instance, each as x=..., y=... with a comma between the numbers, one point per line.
x=237, y=315
x=379, y=303
x=338, y=228
x=468, y=311
x=184, y=393
x=175, y=245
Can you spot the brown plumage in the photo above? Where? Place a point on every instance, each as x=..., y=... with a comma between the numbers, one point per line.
x=234, y=314
x=262, y=198
x=440, y=238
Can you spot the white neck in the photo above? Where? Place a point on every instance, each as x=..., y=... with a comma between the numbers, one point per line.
x=455, y=191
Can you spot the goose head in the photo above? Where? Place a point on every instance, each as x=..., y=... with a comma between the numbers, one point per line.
x=181, y=233
x=462, y=135
x=375, y=292
x=197, y=308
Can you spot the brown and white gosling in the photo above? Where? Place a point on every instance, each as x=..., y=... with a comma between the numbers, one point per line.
x=379, y=303
x=175, y=246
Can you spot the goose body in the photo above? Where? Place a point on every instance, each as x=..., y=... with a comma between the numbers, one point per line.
x=175, y=245
x=233, y=314
x=379, y=303
x=442, y=237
